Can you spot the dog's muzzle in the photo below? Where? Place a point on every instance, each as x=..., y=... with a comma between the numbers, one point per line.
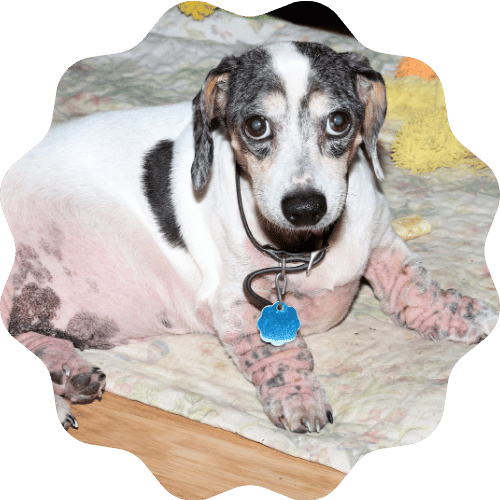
x=304, y=208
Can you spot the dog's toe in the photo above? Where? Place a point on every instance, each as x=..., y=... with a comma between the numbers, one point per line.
x=329, y=416
x=64, y=413
x=70, y=421
x=300, y=412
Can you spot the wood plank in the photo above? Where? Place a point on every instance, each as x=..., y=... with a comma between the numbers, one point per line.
x=195, y=461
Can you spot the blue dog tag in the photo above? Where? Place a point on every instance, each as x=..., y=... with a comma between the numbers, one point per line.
x=278, y=326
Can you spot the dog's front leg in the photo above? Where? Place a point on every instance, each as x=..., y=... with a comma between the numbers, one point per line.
x=290, y=393
x=412, y=299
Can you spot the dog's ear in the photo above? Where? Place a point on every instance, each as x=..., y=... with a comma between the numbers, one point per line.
x=371, y=90
x=208, y=110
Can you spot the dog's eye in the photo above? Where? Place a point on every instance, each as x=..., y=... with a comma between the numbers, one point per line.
x=338, y=123
x=257, y=127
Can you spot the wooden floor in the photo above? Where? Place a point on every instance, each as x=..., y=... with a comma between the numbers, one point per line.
x=195, y=461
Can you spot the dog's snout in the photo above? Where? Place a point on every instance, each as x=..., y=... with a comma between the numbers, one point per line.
x=304, y=208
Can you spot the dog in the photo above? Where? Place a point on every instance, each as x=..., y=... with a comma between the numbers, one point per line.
x=127, y=226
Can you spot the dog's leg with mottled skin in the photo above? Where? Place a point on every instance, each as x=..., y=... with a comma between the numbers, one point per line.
x=290, y=393
x=73, y=378
x=413, y=300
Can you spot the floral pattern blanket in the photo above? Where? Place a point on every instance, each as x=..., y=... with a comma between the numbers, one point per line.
x=386, y=385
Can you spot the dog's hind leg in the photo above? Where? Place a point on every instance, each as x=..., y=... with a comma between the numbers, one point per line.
x=72, y=377
x=291, y=394
x=412, y=299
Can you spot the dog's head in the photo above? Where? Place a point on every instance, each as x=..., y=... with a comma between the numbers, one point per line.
x=295, y=114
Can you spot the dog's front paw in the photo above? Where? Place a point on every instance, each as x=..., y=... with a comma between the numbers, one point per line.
x=482, y=322
x=458, y=318
x=299, y=407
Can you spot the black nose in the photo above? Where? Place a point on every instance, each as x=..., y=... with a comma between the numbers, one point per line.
x=304, y=208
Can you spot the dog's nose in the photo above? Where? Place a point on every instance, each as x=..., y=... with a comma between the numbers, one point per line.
x=305, y=208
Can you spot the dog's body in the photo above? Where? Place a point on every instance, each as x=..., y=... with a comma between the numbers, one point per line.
x=114, y=244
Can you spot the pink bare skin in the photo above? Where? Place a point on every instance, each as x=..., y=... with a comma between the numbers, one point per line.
x=78, y=292
x=413, y=300
x=290, y=393
x=76, y=275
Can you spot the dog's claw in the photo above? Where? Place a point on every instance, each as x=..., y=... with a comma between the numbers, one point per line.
x=300, y=412
x=282, y=421
x=66, y=369
x=329, y=416
x=72, y=422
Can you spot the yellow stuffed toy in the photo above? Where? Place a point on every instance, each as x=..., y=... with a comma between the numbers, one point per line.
x=425, y=141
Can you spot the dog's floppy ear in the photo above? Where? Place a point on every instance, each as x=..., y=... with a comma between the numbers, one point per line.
x=371, y=90
x=208, y=109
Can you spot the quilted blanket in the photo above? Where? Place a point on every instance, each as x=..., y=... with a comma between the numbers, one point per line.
x=386, y=385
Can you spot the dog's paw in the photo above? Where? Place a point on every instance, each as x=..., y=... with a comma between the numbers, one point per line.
x=458, y=318
x=80, y=384
x=482, y=322
x=72, y=376
x=301, y=407
x=64, y=413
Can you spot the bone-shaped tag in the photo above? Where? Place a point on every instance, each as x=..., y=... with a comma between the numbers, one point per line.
x=278, y=326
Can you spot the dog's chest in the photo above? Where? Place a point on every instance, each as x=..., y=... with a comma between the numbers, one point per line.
x=322, y=297
x=321, y=303
x=321, y=309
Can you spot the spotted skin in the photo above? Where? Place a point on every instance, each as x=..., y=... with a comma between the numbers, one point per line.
x=58, y=299
x=413, y=300
x=290, y=393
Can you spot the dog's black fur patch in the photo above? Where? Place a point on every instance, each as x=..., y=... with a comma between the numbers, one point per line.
x=33, y=311
x=253, y=79
x=332, y=74
x=157, y=187
x=336, y=74
x=203, y=125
